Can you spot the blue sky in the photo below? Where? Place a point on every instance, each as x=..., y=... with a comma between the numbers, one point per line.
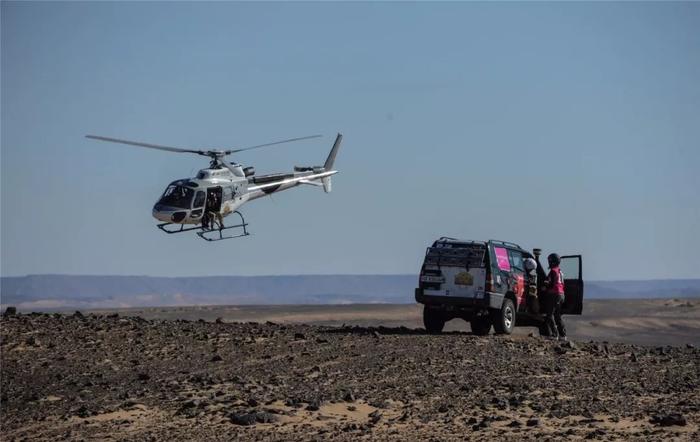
x=568, y=126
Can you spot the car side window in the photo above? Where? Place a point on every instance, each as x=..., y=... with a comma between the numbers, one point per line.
x=516, y=260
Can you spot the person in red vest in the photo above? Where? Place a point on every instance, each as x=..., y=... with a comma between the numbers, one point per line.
x=554, y=290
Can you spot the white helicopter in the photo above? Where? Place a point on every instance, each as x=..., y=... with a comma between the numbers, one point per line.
x=223, y=187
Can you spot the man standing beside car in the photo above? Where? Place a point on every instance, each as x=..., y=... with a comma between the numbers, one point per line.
x=554, y=296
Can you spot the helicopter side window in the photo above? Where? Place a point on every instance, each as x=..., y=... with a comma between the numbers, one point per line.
x=199, y=200
x=177, y=196
x=227, y=193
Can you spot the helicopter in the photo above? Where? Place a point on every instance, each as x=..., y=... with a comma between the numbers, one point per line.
x=198, y=203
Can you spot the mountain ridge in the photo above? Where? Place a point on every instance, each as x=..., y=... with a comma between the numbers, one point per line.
x=103, y=291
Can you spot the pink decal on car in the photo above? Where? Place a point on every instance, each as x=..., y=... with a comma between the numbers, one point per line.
x=502, y=258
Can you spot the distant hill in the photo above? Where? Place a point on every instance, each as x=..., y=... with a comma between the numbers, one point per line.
x=49, y=292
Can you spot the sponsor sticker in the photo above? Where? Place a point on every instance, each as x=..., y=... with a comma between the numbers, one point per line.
x=502, y=258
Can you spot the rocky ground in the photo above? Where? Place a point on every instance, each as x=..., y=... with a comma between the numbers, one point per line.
x=126, y=378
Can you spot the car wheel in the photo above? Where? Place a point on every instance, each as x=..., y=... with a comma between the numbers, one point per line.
x=433, y=320
x=481, y=325
x=504, y=319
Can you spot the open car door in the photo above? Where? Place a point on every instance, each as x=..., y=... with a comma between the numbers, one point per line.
x=572, y=268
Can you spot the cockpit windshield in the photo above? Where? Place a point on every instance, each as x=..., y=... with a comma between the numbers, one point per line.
x=177, y=196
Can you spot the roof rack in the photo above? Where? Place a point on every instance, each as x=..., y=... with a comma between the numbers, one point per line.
x=465, y=241
x=505, y=243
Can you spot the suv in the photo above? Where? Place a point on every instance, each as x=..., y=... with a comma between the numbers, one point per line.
x=483, y=282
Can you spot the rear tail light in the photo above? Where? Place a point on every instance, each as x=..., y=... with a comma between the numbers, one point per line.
x=489, y=283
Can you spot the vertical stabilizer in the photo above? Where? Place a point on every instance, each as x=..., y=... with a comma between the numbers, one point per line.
x=331, y=156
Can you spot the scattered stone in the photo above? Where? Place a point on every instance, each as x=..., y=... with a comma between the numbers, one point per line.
x=314, y=405
x=293, y=402
x=485, y=422
x=299, y=336
x=533, y=422
x=243, y=418
x=82, y=411
x=264, y=417
x=349, y=427
x=667, y=420
x=598, y=432
x=432, y=387
x=500, y=403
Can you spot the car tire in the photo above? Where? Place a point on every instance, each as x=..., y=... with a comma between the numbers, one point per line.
x=481, y=325
x=504, y=319
x=433, y=320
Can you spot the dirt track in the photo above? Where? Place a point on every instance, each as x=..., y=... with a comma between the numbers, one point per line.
x=118, y=378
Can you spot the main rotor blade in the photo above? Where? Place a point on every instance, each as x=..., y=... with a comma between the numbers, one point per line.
x=230, y=151
x=149, y=145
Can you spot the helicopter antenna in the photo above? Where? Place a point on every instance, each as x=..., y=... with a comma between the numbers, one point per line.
x=272, y=144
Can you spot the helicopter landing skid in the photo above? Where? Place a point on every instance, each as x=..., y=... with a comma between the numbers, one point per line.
x=215, y=234
x=218, y=234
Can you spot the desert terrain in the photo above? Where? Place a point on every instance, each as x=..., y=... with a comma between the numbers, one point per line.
x=297, y=373
x=632, y=321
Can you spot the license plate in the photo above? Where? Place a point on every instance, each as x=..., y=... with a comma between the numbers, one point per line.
x=464, y=278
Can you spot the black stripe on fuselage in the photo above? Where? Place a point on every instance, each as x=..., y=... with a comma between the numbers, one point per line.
x=263, y=179
x=271, y=189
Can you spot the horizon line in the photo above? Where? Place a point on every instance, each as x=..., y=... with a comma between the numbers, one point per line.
x=306, y=275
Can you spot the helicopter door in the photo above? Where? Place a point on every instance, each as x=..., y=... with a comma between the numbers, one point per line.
x=198, y=204
x=214, y=204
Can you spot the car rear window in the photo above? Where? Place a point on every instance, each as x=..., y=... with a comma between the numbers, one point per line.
x=468, y=255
